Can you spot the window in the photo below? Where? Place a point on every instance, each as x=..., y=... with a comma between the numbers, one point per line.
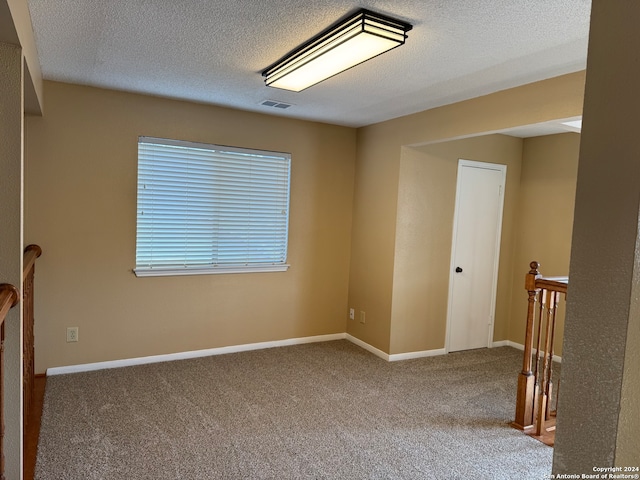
x=210, y=209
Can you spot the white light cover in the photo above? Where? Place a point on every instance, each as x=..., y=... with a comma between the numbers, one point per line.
x=336, y=51
x=358, y=49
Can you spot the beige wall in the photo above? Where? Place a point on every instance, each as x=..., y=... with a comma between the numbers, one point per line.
x=377, y=177
x=424, y=228
x=348, y=191
x=598, y=405
x=81, y=208
x=628, y=440
x=11, y=218
x=544, y=220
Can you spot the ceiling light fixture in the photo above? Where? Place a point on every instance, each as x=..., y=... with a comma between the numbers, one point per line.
x=356, y=39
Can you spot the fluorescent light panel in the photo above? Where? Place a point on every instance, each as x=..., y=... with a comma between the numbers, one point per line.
x=360, y=37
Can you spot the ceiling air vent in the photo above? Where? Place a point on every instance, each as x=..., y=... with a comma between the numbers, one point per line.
x=274, y=104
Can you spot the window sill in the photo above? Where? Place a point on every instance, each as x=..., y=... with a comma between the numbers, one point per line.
x=169, y=272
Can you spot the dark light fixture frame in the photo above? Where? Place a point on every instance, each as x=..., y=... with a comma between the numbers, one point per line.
x=358, y=17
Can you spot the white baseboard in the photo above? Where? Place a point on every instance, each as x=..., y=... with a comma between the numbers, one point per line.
x=128, y=362
x=366, y=346
x=519, y=346
x=396, y=356
x=421, y=354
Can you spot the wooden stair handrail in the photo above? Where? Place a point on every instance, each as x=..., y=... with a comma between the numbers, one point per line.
x=9, y=298
x=554, y=284
x=31, y=253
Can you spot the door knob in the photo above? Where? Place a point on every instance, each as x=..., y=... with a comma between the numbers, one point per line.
x=458, y=270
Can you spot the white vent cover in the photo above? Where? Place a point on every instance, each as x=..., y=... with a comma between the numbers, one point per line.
x=276, y=104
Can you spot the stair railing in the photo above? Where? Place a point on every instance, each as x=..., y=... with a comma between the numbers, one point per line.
x=535, y=381
x=31, y=253
x=9, y=298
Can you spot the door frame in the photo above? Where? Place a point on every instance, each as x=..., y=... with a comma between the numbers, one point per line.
x=494, y=283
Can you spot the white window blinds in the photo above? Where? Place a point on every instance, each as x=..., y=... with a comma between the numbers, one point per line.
x=210, y=209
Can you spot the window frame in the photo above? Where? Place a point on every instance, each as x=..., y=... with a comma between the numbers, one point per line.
x=282, y=239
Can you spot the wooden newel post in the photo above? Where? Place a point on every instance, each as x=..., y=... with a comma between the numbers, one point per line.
x=526, y=379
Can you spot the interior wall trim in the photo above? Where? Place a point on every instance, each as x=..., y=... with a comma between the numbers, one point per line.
x=519, y=346
x=128, y=362
x=395, y=356
x=370, y=348
x=170, y=357
x=420, y=354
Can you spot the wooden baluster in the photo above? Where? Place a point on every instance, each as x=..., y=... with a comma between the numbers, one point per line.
x=542, y=297
x=543, y=387
x=549, y=385
x=526, y=379
x=28, y=342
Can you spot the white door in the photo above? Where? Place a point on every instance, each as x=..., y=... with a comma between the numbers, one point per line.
x=474, y=256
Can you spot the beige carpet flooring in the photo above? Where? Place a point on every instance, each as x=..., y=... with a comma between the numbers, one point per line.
x=318, y=411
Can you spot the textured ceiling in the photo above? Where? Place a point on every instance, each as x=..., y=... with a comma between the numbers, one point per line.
x=213, y=51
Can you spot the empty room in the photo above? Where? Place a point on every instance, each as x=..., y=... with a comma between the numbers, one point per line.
x=319, y=240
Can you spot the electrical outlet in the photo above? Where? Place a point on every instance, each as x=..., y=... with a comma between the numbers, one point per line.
x=72, y=334
x=362, y=317
x=352, y=314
